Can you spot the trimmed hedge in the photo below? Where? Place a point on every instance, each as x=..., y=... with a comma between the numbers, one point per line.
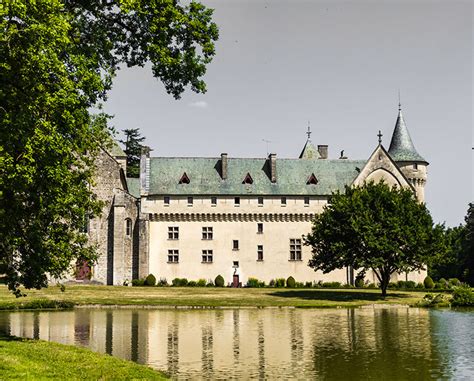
x=290, y=282
x=219, y=281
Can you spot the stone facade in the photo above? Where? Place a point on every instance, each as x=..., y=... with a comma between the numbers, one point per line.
x=197, y=218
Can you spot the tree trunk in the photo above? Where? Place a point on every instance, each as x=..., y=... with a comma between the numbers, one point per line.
x=384, y=283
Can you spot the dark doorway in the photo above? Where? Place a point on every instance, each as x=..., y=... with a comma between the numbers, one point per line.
x=235, y=281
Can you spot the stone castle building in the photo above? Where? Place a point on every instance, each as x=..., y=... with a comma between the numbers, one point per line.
x=196, y=217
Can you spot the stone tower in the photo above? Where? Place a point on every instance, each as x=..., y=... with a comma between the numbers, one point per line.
x=410, y=162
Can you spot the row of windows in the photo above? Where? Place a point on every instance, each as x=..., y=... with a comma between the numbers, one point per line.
x=207, y=232
x=283, y=200
x=208, y=255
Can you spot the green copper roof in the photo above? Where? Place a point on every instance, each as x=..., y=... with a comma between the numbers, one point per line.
x=309, y=151
x=292, y=175
x=115, y=150
x=133, y=185
x=401, y=146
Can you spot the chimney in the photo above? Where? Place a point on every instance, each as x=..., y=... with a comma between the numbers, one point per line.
x=224, y=166
x=273, y=167
x=145, y=170
x=323, y=151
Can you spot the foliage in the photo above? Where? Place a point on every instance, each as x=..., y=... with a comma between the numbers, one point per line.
x=253, y=283
x=192, y=283
x=209, y=283
x=428, y=282
x=454, y=282
x=133, y=148
x=290, y=282
x=374, y=227
x=201, y=283
x=434, y=300
x=360, y=279
x=150, y=280
x=280, y=282
x=57, y=61
x=331, y=285
x=179, y=282
x=162, y=282
x=138, y=282
x=463, y=296
x=219, y=281
x=308, y=284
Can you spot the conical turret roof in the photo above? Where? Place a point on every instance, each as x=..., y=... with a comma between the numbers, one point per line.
x=309, y=151
x=401, y=145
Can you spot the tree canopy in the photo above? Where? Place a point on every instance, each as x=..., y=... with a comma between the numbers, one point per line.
x=374, y=227
x=57, y=62
x=133, y=148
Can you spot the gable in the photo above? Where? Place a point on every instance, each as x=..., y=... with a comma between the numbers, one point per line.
x=381, y=167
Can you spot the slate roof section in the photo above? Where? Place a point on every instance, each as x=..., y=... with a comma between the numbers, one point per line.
x=292, y=175
x=133, y=185
x=309, y=151
x=115, y=150
x=401, y=145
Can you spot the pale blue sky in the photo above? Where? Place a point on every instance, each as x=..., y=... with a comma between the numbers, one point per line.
x=337, y=64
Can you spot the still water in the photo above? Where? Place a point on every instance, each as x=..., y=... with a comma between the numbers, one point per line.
x=332, y=344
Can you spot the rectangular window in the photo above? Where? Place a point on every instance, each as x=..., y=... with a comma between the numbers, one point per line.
x=207, y=256
x=213, y=201
x=235, y=244
x=190, y=201
x=207, y=232
x=415, y=166
x=260, y=253
x=295, y=249
x=173, y=256
x=306, y=201
x=237, y=201
x=283, y=201
x=259, y=228
x=260, y=201
x=173, y=232
x=166, y=200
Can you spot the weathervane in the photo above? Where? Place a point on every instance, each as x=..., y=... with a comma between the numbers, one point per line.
x=266, y=141
x=309, y=131
x=399, y=102
x=380, y=137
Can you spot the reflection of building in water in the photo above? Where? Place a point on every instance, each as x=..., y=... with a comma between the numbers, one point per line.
x=250, y=343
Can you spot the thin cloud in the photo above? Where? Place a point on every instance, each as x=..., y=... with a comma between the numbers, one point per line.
x=199, y=104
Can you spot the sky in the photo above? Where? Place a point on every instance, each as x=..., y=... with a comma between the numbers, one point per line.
x=336, y=65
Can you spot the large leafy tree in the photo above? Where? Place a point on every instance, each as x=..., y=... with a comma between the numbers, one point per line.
x=57, y=61
x=133, y=148
x=374, y=227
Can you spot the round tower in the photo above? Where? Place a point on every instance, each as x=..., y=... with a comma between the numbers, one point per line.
x=410, y=162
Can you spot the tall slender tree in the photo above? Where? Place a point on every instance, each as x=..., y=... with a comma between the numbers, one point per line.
x=57, y=62
x=133, y=149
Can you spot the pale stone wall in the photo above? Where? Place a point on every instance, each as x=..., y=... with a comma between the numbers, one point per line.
x=280, y=224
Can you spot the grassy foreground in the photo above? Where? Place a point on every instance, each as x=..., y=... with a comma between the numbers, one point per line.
x=40, y=360
x=53, y=297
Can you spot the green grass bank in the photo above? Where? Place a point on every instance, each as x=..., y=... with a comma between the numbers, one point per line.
x=28, y=359
x=77, y=295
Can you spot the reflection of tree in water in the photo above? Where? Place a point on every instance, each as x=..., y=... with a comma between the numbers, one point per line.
x=172, y=352
x=391, y=344
x=261, y=350
x=134, y=337
x=82, y=327
x=296, y=337
x=207, y=355
x=236, y=336
x=109, y=321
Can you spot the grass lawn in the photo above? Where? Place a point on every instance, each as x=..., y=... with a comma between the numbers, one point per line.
x=53, y=297
x=40, y=360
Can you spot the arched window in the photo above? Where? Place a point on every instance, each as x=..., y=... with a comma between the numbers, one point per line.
x=128, y=227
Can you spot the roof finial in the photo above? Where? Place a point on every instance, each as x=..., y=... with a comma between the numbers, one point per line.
x=399, y=102
x=309, y=132
x=380, y=137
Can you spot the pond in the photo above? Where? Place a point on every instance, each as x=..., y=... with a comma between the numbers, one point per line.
x=329, y=344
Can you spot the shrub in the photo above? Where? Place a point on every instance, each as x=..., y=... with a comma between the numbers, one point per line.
x=201, y=283
x=192, y=283
x=271, y=283
x=261, y=284
x=420, y=285
x=138, y=282
x=280, y=282
x=210, y=283
x=371, y=285
x=433, y=300
x=331, y=284
x=299, y=285
x=392, y=285
x=290, y=282
x=179, y=282
x=444, y=282
x=463, y=296
x=308, y=284
x=253, y=283
x=359, y=282
x=410, y=284
x=162, y=282
x=219, y=281
x=439, y=286
x=150, y=280
x=454, y=282
x=401, y=284
x=428, y=282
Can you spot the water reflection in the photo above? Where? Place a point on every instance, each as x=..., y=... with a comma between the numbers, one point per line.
x=333, y=344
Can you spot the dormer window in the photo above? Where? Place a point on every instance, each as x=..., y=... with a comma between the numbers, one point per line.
x=184, y=179
x=312, y=180
x=248, y=179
